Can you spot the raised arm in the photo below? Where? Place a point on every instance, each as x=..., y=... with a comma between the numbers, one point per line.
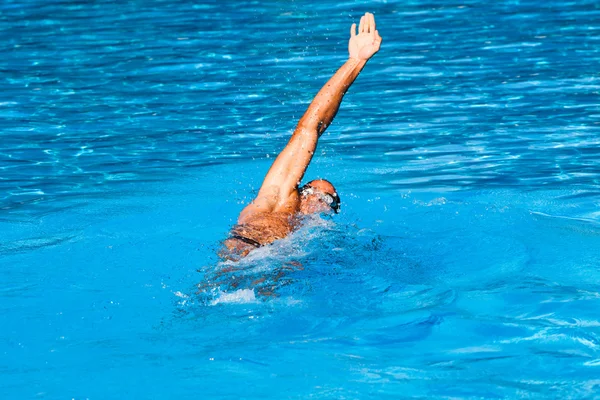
x=288, y=169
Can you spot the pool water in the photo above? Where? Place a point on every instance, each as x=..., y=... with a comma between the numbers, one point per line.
x=465, y=261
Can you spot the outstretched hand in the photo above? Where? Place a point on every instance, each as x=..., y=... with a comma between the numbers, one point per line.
x=367, y=42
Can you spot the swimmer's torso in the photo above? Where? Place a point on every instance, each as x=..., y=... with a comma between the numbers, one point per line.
x=265, y=228
x=256, y=230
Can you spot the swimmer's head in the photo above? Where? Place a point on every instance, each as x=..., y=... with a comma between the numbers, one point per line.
x=319, y=196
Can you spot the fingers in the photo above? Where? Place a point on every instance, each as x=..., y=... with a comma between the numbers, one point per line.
x=372, y=23
x=367, y=24
x=353, y=30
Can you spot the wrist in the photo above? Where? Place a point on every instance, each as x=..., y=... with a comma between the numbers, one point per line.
x=356, y=62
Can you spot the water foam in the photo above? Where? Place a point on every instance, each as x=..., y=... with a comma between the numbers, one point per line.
x=242, y=296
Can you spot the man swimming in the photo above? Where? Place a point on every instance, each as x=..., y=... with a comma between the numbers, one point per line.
x=277, y=209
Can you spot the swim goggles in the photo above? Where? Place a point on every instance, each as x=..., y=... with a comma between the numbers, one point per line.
x=332, y=201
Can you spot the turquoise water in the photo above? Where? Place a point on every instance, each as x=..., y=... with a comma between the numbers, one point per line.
x=465, y=261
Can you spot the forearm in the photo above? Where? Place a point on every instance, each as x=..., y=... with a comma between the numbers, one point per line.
x=290, y=165
x=288, y=169
x=326, y=103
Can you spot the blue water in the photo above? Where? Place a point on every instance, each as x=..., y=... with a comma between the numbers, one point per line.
x=465, y=262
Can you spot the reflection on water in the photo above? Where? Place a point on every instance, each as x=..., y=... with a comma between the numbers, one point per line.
x=464, y=262
x=462, y=95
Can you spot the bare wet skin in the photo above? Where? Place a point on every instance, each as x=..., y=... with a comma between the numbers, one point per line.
x=275, y=211
x=265, y=228
x=262, y=228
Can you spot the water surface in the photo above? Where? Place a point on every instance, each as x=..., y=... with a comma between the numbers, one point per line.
x=465, y=260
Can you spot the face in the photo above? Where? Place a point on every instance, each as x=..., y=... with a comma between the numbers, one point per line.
x=318, y=197
x=313, y=204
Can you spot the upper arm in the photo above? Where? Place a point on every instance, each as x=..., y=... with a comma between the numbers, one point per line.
x=287, y=170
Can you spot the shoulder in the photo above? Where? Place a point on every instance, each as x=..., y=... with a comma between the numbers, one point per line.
x=262, y=207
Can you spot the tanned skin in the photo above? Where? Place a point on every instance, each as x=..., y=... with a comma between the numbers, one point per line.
x=274, y=212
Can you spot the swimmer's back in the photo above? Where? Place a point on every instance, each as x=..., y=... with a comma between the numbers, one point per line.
x=265, y=228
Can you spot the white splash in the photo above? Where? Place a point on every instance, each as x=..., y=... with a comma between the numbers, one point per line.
x=241, y=296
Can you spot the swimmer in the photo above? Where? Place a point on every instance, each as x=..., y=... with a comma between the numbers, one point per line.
x=281, y=201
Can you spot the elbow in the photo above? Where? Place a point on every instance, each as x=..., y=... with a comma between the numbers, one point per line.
x=305, y=129
x=312, y=125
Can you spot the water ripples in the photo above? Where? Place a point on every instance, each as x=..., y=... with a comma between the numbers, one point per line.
x=462, y=95
x=466, y=154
